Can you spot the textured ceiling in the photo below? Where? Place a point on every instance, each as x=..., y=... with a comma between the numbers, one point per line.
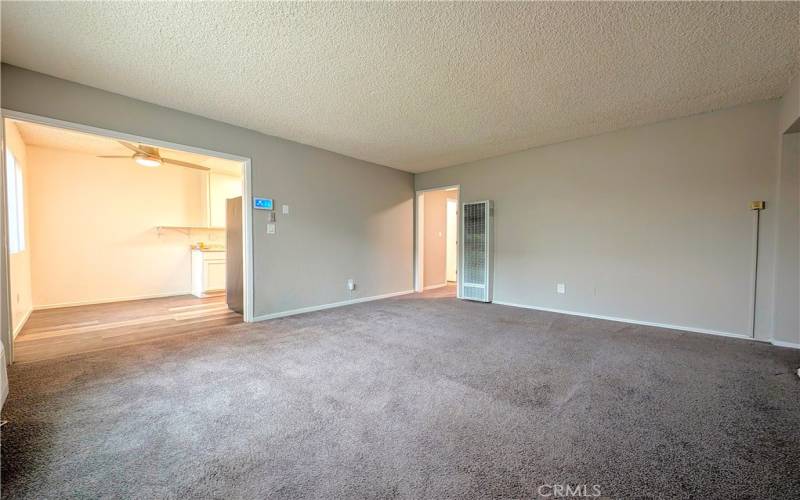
x=34, y=134
x=417, y=86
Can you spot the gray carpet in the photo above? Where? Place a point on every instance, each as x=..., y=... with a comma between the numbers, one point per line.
x=409, y=397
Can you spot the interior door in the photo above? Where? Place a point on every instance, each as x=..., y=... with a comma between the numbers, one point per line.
x=452, y=240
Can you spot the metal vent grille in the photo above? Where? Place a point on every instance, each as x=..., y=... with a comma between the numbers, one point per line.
x=475, y=273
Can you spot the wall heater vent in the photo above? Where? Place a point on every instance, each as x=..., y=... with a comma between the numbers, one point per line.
x=476, y=251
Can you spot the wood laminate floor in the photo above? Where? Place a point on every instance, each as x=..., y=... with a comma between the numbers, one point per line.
x=52, y=333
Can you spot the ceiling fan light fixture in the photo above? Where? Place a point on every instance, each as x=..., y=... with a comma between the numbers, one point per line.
x=147, y=160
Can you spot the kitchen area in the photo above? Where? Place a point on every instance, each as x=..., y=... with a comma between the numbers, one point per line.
x=213, y=269
x=117, y=242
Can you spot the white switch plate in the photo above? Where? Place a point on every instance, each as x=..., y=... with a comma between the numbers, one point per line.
x=561, y=288
x=286, y=209
x=270, y=228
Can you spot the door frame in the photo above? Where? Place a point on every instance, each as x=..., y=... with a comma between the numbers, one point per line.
x=447, y=236
x=247, y=213
x=419, y=237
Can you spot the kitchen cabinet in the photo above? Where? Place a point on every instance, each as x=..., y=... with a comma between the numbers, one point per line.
x=208, y=271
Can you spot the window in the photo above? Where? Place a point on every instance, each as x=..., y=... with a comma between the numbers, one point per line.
x=16, y=205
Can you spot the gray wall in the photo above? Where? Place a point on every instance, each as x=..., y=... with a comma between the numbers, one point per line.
x=787, y=251
x=790, y=108
x=349, y=218
x=649, y=223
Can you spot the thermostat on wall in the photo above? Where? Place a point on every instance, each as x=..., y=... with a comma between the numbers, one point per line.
x=263, y=203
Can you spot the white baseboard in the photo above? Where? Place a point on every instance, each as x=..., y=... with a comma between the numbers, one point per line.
x=303, y=310
x=431, y=287
x=22, y=323
x=108, y=301
x=783, y=343
x=632, y=321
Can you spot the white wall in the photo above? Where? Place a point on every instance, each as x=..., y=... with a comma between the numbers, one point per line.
x=20, y=262
x=649, y=223
x=222, y=187
x=92, y=227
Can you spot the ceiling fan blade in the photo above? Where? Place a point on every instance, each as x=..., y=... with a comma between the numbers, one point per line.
x=135, y=149
x=114, y=156
x=149, y=150
x=185, y=164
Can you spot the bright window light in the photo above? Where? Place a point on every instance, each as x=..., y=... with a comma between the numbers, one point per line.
x=16, y=205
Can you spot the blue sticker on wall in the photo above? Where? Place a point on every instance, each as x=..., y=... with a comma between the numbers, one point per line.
x=263, y=203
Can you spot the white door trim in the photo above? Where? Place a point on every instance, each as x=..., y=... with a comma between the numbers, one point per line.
x=247, y=215
x=419, y=240
x=6, y=325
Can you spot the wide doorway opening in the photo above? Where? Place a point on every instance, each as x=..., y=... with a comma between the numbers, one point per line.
x=437, y=241
x=116, y=241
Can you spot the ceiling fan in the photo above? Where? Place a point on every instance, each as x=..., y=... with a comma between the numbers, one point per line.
x=148, y=156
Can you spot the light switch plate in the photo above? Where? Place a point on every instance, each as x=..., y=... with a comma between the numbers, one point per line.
x=270, y=228
x=561, y=288
x=286, y=209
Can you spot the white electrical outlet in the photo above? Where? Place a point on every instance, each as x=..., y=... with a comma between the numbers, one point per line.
x=561, y=288
x=351, y=284
x=270, y=228
x=286, y=209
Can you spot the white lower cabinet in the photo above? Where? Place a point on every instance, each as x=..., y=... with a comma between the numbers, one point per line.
x=208, y=272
